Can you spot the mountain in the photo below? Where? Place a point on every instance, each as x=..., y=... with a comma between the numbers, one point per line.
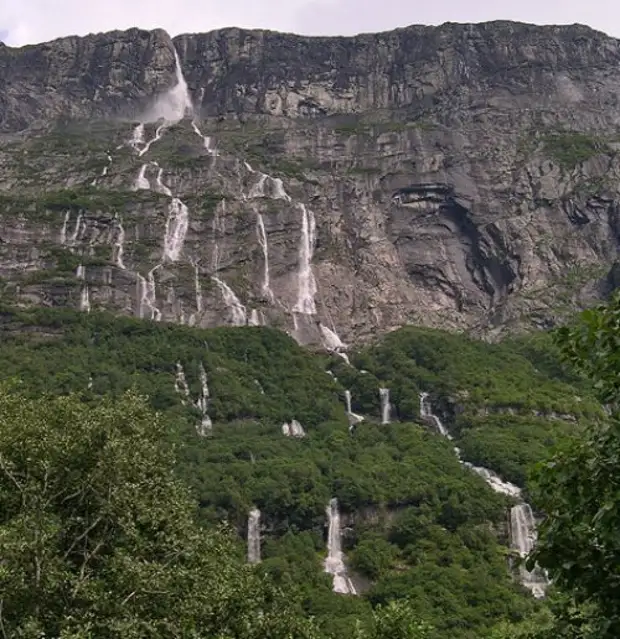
x=461, y=176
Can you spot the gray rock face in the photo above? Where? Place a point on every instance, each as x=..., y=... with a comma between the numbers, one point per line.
x=463, y=176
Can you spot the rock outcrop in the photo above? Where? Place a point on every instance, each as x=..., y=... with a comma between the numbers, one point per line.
x=463, y=176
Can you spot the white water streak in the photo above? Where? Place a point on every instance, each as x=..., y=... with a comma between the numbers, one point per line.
x=180, y=383
x=142, y=182
x=384, y=394
x=334, y=562
x=262, y=240
x=176, y=229
x=238, y=311
x=119, y=245
x=254, y=536
x=63, y=230
x=206, y=425
x=306, y=282
x=148, y=295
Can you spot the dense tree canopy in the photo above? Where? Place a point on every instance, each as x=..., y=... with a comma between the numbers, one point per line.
x=97, y=537
x=579, y=488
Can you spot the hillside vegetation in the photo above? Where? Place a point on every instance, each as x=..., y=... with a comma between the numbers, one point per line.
x=419, y=526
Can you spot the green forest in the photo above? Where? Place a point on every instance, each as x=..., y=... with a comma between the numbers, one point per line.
x=426, y=539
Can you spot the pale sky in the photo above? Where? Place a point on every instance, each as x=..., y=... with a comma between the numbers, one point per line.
x=28, y=21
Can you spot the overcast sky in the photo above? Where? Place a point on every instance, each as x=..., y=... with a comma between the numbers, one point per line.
x=26, y=21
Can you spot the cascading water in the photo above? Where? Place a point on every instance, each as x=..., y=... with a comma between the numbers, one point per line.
x=334, y=562
x=148, y=297
x=306, y=282
x=180, y=383
x=119, y=245
x=254, y=536
x=198, y=292
x=63, y=230
x=522, y=522
x=427, y=413
x=239, y=315
x=523, y=540
x=262, y=240
x=106, y=168
x=161, y=187
x=202, y=404
x=294, y=429
x=176, y=230
x=76, y=230
x=353, y=417
x=384, y=395
x=142, y=182
x=85, y=294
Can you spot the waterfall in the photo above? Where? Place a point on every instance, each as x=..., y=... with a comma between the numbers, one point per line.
x=523, y=540
x=384, y=394
x=142, y=181
x=254, y=536
x=159, y=181
x=85, y=299
x=198, y=292
x=427, y=413
x=262, y=240
x=76, y=231
x=180, y=383
x=493, y=480
x=237, y=309
x=258, y=190
x=522, y=522
x=330, y=338
x=307, y=284
x=63, y=230
x=137, y=138
x=256, y=318
x=176, y=230
x=294, y=429
x=202, y=404
x=148, y=297
x=105, y=169
x=334, y=563
x=353, y=418
x=85, y=294
x=119, y=245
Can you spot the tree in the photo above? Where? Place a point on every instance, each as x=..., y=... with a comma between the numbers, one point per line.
x=579, y=488
x=97, y=537
x=395, y=620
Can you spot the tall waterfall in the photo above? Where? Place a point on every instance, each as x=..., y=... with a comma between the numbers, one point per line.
x=523, y=540
x=334, y=563
x=262, y=240
x=85, y=293
x=384, y=394
x=306, y=283
x=119, y=245
x=176, y=229
x=254, y=536
x=522, y=522
x=202, y=404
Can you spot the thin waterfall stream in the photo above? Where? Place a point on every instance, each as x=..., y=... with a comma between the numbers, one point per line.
x=334, y=562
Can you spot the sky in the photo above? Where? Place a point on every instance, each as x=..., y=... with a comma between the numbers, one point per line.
x=30, y=21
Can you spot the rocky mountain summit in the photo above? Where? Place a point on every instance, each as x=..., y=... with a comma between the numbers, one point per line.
x=462, y=176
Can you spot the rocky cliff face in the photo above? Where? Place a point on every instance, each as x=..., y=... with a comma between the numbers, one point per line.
x=463, y=176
